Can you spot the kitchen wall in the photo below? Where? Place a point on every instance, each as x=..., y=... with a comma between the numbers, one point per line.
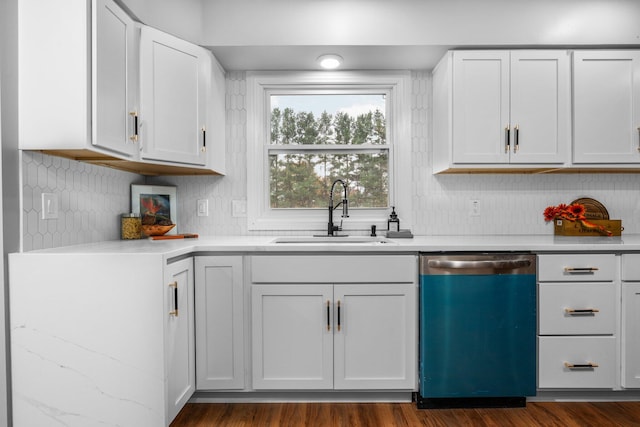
x=90, y=200
x=419, y=23
x=509, y=203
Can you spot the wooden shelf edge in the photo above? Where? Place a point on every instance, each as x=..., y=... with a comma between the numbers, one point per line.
x=141, y=168
x=538, y=171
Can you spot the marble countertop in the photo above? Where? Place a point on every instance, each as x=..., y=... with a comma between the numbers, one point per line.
x=263, y=244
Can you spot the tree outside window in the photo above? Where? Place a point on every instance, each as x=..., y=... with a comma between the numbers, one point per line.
x=318, y=138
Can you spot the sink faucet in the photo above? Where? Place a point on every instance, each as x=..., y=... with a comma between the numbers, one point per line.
x=345, y=208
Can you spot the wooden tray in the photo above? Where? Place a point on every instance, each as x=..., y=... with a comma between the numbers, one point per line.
x=575, y=228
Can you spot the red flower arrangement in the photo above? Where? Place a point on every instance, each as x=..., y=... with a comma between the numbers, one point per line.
x=573, y=212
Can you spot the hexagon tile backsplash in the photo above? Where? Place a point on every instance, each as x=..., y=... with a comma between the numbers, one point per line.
x=91, y=198
x=90, y=201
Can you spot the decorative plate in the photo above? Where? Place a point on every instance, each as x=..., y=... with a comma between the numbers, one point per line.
x=594, y=209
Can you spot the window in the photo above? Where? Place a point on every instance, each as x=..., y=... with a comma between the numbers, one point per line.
x=305, y=130
x=318, y=137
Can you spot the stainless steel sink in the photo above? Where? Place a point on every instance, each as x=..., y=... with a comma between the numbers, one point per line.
x=334, y=240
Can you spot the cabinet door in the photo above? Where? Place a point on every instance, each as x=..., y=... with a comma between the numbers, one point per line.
x=292, y=336
x=114, y=79
x=606, y=106
x=480, y=107
x=219, y=320
x=630, y=335
x=375, y=336
x=563, y=308
x=174, y=85
x=563, y=362
x=540, y=106
x=179, y=335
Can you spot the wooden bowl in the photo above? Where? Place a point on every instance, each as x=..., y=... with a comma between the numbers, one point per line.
x=156, y=230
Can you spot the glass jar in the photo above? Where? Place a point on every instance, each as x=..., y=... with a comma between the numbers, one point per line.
x=130, y=226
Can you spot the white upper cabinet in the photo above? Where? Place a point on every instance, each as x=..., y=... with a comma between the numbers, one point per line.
x=540, y=106
x=606, y=107
x=114, y=79
x=174, y=86
x=80, y=93
x=480, y=106
x=498, y=109
x=78, y=77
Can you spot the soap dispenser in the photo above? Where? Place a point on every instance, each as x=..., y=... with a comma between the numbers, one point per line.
x=393, y=224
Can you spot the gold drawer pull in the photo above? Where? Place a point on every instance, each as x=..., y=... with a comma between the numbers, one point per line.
x=588, y=365
x=581, y=311
x=174, y=286
x=580, y=270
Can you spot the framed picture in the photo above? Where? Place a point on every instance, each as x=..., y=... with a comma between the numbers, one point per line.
x=155, y=200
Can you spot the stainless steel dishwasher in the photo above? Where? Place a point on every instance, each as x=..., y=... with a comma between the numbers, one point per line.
x=477, y=330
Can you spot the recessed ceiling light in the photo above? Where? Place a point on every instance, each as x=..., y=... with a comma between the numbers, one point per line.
x=330, y=61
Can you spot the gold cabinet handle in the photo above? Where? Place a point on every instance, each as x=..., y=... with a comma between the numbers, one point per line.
x=134, y=137
x=580, y=270
x=581, y=311
x=507, y=139
x=588, y=365
x=328, y=315
x=174, y=312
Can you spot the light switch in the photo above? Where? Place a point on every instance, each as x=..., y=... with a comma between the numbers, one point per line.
x=49, y=206
x=203, y=207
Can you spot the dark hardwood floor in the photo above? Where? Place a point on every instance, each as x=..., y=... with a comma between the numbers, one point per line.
x=561, y=414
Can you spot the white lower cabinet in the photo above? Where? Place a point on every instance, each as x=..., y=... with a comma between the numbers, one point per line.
x=631, y=320
x=578, y=310
x=333, y=336
x=374, y=339
x=560, y=305
x=179, y=333
x=577, y=362
x=100, y=338
x=631, y=335
x=292, y=336
x=314, y=335
x=219, y=315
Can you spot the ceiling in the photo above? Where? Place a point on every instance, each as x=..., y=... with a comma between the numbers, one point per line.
x=304, y=57
x=385, y=34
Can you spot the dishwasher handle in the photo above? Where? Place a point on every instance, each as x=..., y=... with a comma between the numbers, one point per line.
x=497, y=264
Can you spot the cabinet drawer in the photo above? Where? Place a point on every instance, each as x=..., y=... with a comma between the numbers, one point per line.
x=631, y=267
x=564, y=308
x=576, y=268
x=556, y=353
x=334, y=269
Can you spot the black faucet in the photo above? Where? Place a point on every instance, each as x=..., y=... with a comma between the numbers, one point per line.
x=345, y=208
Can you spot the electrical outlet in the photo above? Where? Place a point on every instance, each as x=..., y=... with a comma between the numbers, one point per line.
x=474, y=207
x=203, y=207
x=49, y=206
x=239, y=208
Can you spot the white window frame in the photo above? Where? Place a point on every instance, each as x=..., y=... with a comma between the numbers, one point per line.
x=260, y=84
